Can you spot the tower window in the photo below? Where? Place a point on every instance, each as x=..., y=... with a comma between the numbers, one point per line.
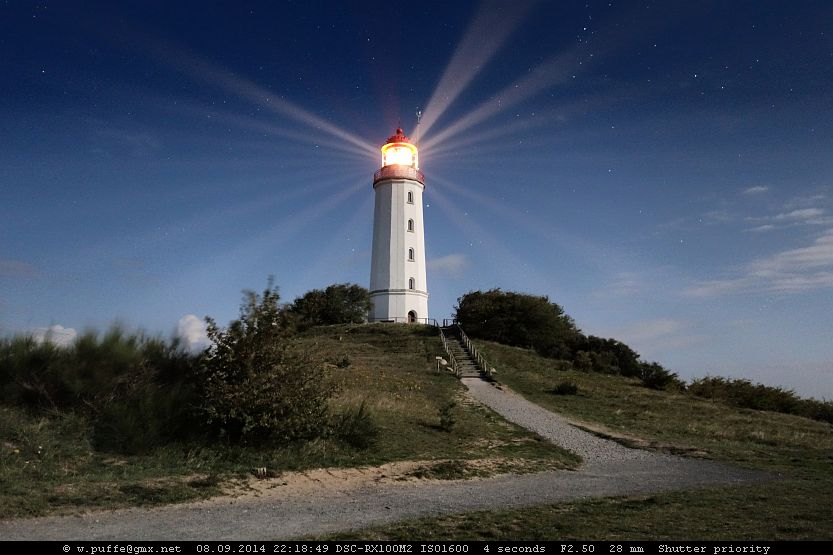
x=410, y=225
x=411, y=256
x=411, y=283
x=410, y=197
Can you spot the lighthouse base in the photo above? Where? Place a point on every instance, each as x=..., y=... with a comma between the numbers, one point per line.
x=399, y=305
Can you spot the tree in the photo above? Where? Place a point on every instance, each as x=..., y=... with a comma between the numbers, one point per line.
x=609, y=355
x=255, y=384
x=517, y=319
x=343, y=303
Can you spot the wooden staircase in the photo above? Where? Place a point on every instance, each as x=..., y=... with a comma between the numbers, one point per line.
x=466, y=363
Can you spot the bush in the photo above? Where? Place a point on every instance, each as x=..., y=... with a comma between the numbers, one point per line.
x=254, y=385
x=356, y=428
x=517, y=319
x=583, y=362
x=343, y=303
x=655, y=376
x=745, y=394
x=565, y=388
x=447, y=417
x=133, y=389
x=148, y=417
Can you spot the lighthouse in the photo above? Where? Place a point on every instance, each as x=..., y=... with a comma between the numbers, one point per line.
x=398, y=286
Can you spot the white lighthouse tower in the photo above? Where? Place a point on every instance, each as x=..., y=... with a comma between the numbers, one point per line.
x=398, y=287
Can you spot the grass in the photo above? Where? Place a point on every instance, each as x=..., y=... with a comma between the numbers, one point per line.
x=740, y=513
x=799, y=506
x=48, y=464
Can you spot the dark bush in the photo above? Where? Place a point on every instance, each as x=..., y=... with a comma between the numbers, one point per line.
x=133, y=390
x=343, y=303
x=516, y=319
x=745, y=394
x=448, y=419
x=655, y=376
x=565, y=388
x=254, y=385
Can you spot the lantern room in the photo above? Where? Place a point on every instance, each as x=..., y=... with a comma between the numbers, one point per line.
x=398, y=150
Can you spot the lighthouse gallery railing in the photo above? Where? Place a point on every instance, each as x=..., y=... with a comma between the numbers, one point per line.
x=398, y=170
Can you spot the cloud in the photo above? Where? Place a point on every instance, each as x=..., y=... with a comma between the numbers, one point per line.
x=761, y=228
x=793, y=270
x=56, y=334
x=654, y=337
x=756, y=190
x=797, y=212
x=16, y=268
x=192, y=332
x=803, y=214
x=451, y=264
x=648, y=330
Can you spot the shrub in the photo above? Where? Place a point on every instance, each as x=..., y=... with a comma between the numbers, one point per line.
x=356, y=428
x=583, y=362
x=516, y=319
x=565, y=388
x=448, y=419
x=148, y=417
x=133, y=389
x=655, y=376
x=254, y=385
x=343, y=303
x=344, y=362
x=745, y=394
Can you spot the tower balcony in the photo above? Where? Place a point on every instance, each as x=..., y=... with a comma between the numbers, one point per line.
x=398, y=171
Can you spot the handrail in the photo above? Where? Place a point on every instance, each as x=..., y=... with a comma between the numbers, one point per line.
x=404, y=320
x=398, y=171
x=479, y=358
x=452, y=359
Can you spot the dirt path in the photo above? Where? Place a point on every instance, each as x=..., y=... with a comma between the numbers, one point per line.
x=358, y=499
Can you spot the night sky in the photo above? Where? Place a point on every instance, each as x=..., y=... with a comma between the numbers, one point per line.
x=664, y=171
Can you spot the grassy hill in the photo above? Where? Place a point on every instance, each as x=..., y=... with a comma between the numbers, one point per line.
x=48, y=463
x=800, y=450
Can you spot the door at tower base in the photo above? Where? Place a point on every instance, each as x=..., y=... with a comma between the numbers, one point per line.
x=398, y=288
x=399, y=306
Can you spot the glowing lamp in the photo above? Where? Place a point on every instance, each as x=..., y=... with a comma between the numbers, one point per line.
x=399, y=150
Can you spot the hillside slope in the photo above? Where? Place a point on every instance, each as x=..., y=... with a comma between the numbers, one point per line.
x=797, y=506
x=48, y=464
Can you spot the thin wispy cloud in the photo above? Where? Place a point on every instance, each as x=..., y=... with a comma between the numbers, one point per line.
x=651, y=337
x=804, y=214
x=452, y=265
x=756, y=190
x=797, y=212
x=790, y=271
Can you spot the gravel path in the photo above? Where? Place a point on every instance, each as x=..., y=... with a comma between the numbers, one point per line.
x=609, y=470
x=592, y=449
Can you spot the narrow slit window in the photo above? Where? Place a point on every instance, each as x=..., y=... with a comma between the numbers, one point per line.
x=411, y=283
x=411, y=254
x=410, y=225
x=410, y=197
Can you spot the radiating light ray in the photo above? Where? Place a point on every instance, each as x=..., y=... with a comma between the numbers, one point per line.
x=561, y=114
x=557, y=70
x=252, y=124
x=505, y=259
x=606, y=260
x=334, y=256
x=283, y=231
x=494, y=23
x=190, y=64
x=244, y=211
